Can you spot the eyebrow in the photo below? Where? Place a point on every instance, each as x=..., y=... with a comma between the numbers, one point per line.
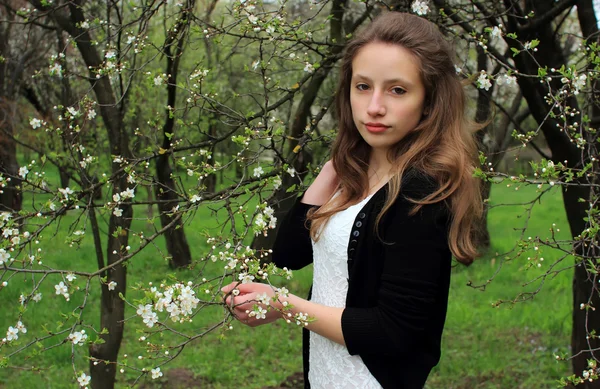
x=398, y=80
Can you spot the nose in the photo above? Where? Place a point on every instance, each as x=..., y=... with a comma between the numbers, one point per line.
x=376, y=105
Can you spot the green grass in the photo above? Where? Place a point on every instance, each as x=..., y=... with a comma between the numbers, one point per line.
x=510, y=346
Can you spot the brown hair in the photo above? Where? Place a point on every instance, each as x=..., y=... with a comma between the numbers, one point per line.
x=441, y=146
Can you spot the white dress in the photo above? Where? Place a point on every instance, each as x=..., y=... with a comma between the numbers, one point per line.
x=330, y=365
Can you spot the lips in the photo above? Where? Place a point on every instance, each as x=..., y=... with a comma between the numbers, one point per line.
x=376, y=127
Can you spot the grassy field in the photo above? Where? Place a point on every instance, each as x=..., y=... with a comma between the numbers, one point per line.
x=510, y=346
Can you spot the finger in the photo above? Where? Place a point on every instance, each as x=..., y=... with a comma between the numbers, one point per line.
x=228, y=288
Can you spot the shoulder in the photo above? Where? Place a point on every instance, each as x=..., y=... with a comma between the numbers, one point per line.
x=415, y=187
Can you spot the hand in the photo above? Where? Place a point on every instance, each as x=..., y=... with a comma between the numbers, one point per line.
x=242, y=305
x=323, y=187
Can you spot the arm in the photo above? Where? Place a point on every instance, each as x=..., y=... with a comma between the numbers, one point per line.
x=293, y=247
x=323, y=187
x=413, y=289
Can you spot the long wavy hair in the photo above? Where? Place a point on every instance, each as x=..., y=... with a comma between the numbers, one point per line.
x=442, y=145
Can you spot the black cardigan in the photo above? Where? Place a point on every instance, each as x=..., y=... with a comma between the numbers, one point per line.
x=397, y=290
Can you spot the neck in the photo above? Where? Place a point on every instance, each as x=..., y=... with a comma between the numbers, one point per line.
x=379, y=170
x=379, y=164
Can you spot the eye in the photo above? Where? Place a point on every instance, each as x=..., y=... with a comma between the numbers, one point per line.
x=398, y=91
x=362, y=87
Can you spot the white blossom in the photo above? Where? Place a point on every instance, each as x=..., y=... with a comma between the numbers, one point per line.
x=84, y=379
x=483, y=81
x=420, y=7
x=252, y=19
x=579, y=82
x=12, y=334
x=258, y=171
x=55, y=69
x=128, y=193
x=156, y=373
x=66, y=192
x=309, y=68
x=118, y=212
x=496, y=31
x=505, y=79
x=73, y=112
x=37, y=297
x=245, y=278
x=23, y=171
x=78, y=337
x=195, y=198
x=35, y=123
x=61, y=288
x=5, y=257
x=70, y=277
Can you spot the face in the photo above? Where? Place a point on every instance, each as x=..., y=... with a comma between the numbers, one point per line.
x=387, y=95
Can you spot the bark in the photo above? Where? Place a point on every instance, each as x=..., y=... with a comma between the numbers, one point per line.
x=482, y=115
x=11, y=198
x=166, y=191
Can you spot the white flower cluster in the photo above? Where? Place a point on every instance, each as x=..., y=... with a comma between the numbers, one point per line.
x=78, y=337
x=86, y=161
x=149, y=317
x=483, y=81
x=265, y=220
x=178, y=300
x=577, y=82
x=55, y=66
x=13, y=332
x=66, y=192
x=505, y=79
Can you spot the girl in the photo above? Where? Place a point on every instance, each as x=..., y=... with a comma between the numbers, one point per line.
x=385, y=215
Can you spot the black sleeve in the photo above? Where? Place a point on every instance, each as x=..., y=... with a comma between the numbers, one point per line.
x=293, y=246
x=413, y=284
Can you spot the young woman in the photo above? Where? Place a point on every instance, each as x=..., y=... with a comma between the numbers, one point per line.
x=383, y=218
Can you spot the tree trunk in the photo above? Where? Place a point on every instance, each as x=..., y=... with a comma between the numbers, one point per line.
x=166, y=193
x=177, y=245
x=11, y=198
x=482, y=115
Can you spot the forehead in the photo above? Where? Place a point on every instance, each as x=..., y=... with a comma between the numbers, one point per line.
x=386, y=61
